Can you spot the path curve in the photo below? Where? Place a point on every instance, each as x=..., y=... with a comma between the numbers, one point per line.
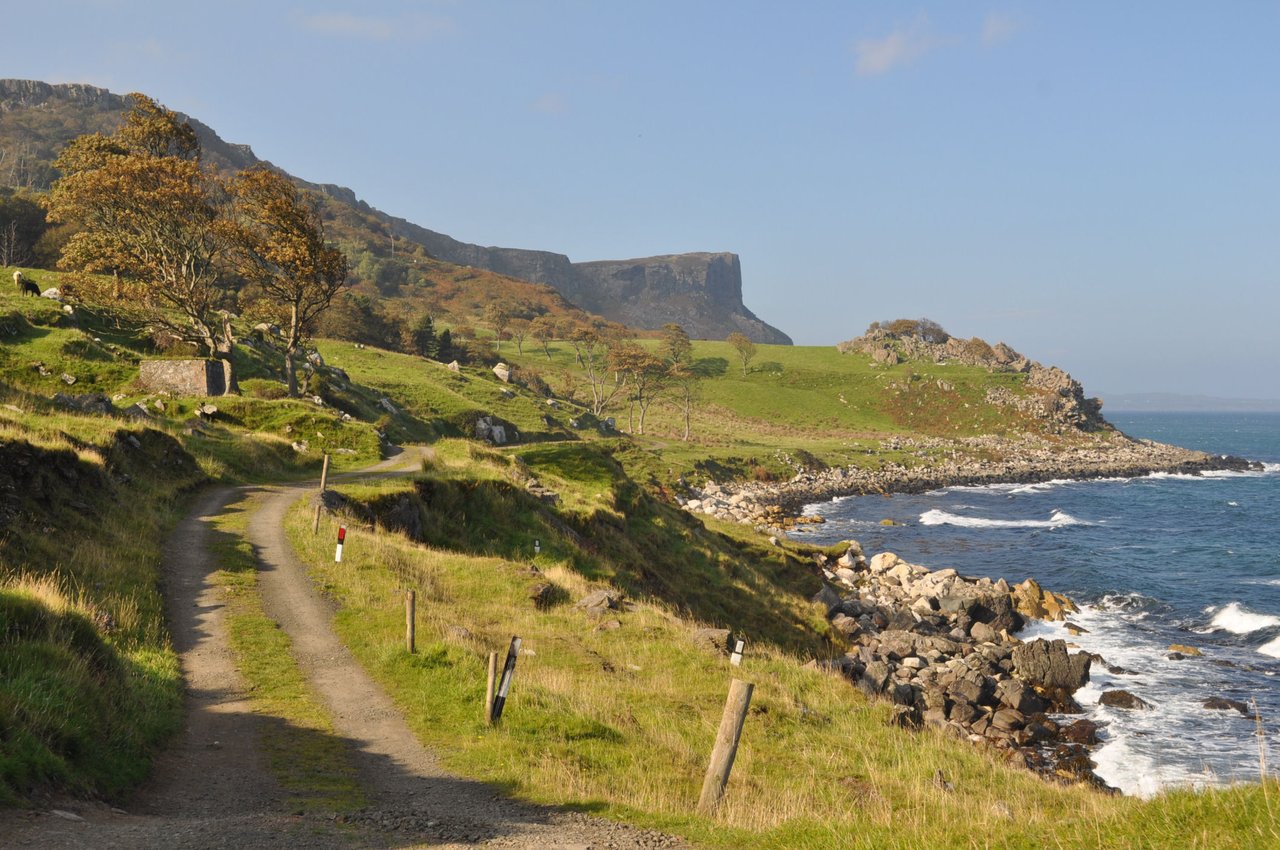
x=212, y=788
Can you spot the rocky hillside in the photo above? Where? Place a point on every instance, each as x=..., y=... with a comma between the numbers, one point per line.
x=701, y=291
x=1056, y=396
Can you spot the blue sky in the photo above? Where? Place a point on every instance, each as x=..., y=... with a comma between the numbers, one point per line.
x=1096, y=184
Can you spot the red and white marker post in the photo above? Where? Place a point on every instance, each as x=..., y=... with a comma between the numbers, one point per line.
x=342, y=536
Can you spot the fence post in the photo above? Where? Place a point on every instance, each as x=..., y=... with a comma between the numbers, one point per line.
x=410, y=608
x=488, y=691
x=726, y=748
x=504, y=684
x=324, y=472
x=315, y=522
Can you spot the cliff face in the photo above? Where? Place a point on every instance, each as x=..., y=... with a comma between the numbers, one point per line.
x=702, y=292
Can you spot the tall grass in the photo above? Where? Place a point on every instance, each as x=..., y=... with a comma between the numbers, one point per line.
x=620, y=721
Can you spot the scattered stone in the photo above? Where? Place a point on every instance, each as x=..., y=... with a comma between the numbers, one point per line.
x=1183, y=649
x=601, y=600
x=68, y=379
x=503, y=371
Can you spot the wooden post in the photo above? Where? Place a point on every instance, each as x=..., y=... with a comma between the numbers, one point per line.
x=410, y=607
x=488, y=691
x=504, y=682
x=324, y=472
x=315, y=522
x=726, y=748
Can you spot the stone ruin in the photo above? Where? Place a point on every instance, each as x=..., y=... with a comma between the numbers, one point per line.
x=199, y=378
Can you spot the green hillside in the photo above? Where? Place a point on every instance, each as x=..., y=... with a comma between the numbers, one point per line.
x=612, y=714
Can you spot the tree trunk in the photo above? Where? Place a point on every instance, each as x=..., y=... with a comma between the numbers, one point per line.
x=291, y=373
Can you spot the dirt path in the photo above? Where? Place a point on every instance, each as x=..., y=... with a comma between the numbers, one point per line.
x=212, y=789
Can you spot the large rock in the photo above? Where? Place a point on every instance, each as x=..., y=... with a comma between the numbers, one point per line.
x=1047, y=665
x=1123, y=699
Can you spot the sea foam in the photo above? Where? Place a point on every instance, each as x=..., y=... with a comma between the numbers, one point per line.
x=1235, y=618
x=1058, y=519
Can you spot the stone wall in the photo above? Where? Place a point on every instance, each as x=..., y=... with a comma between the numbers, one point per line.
x=188, y=377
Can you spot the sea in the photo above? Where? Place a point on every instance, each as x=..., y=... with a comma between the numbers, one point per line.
x=1153, y=561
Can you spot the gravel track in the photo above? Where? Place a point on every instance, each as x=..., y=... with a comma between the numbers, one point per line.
x=213, y=790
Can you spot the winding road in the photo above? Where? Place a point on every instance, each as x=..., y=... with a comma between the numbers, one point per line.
x=213, y=789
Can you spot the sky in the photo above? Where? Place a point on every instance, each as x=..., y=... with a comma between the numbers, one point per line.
x=1096, y=184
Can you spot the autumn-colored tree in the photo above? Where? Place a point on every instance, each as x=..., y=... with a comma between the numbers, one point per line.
x=745, y=347
x=543, y=329
x=593, y=353
x=518, y=328
x=676, y=350
x=149, y=214
x=279, y=247
x=497, y=317
x=674, y=345
x=645, y=373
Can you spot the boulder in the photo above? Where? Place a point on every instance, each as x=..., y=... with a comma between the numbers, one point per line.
x=828, y=597
x=1122, y=699
x=601, y=600
x=714, y=640
x=1224, y=704
x=503, y=371
x=1047, y=664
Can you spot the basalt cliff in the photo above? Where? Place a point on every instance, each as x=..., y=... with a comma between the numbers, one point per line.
x=701, y=291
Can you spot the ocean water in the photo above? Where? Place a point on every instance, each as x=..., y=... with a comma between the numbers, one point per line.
x=1153, y=561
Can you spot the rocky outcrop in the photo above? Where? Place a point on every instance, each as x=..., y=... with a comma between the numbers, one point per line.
x=940, y=648
x=1053, y=394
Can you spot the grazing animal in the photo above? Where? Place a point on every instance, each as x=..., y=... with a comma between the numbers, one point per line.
x=25, y=286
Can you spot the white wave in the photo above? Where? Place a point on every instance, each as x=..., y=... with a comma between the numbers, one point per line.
x=1237, y=619
x=1058, y=519
x=1271, y=647
x=1271, y=467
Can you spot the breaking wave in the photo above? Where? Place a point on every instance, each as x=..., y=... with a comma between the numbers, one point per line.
x=1058, y=519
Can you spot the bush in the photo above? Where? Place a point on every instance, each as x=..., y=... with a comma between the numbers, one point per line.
x=264, y=389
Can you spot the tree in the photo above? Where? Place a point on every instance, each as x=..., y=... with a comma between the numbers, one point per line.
x=497, y=317
x=674, y=346
x=149, y=213
x=645, y=373
x=676, y=350
x=444, y=351
x=279, y=247
x=518, y=328
x=593, y=353
x=746, y=349
x=22, y=223
x=421, y=338
x=543, y=329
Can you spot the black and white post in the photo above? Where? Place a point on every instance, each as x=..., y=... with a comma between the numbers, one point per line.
x=342, y=538
x=735, y=657
x=504, y=685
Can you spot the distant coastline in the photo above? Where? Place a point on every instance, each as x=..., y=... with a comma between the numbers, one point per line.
x=1002, y=460
x=1179, y=403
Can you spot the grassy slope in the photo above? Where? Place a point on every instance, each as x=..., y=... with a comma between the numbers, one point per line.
x=616, y=721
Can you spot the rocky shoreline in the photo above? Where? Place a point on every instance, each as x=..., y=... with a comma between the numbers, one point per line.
x=937, y=463
x=941, y=648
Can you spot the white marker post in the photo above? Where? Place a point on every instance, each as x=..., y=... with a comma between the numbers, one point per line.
x=504, y=686
x=735, y=658
x=342, y=536
x=537, y=547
